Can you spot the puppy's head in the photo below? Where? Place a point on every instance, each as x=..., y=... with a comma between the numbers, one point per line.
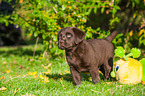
x=69, y=37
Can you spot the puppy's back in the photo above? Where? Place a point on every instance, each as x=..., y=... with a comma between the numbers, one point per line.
x=102, y=46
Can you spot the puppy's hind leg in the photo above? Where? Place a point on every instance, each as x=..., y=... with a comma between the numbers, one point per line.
x=108, y=64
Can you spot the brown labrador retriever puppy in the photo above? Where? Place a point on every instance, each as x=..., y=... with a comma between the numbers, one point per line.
x=86, y=55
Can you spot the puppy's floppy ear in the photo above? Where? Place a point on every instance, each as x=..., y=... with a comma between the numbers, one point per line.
x=79, y=34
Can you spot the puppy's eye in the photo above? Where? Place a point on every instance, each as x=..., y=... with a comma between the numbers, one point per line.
x=69, y=35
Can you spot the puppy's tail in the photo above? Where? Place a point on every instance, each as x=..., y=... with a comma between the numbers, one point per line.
x=111, y=36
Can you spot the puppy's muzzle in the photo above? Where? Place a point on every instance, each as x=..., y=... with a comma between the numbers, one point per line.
x=61, y=44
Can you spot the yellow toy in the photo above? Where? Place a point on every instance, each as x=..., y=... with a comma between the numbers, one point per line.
x=128, y=72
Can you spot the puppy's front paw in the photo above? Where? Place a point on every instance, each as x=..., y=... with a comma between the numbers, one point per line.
x=96, y=81
x=77, y=83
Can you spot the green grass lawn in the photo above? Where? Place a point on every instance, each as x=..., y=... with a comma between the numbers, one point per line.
x=21, y=74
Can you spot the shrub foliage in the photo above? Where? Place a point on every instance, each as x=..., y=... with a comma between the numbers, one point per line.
x=44, y=18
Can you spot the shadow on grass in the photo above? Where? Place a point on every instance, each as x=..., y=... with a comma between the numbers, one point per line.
x=68, y=77
x=19, y=51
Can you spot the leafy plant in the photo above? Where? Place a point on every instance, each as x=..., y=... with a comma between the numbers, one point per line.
x=120, y=52
x=45, y=18
x=141, y=35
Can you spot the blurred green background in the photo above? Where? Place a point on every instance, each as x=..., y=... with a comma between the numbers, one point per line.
x=38, y=21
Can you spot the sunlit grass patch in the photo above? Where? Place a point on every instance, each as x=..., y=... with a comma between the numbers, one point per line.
x=21, y=74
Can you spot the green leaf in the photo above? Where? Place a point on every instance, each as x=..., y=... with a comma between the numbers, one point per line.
x=89, y=35
x=135, y=52
x=120, y=52
x=44, y=36
x=35, y=34
x=142, y=61
x=89, y=11
x=102, y=10
x=54, y=37
x=95, y=10
x=63, y=7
